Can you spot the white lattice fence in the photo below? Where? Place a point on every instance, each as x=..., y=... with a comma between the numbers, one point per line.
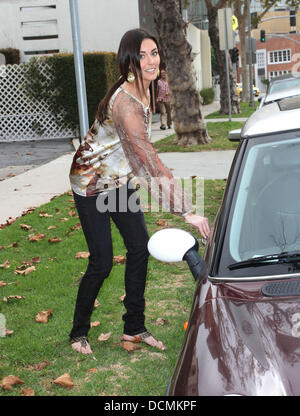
x=22, y=118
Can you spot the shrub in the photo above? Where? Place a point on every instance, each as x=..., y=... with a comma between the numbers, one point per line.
x=208, y=95
x=12, y=56
x=58, y=87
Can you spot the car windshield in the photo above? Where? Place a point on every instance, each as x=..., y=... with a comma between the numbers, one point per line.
x=266, y=214
x=284, y=85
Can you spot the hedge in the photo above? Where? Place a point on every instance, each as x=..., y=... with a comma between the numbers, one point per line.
x=208, y=95
x=58, y=87
x=12, y=56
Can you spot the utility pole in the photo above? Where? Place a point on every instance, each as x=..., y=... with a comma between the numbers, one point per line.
x=251, y=102
x=79, y=70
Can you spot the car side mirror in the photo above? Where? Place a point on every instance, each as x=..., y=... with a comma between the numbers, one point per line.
x=235, y=135
x=173, y=245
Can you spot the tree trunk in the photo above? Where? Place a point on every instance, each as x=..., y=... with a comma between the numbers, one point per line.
x=242, y=18
x=212, y=13
x=185, y=99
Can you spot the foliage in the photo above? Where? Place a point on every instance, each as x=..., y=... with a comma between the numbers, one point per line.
x=208, y=95
x=12, y=56
x=58, y=87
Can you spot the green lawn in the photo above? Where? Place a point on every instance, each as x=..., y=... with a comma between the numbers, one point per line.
x=38, y=353
x=246, y=111
x=217, y=131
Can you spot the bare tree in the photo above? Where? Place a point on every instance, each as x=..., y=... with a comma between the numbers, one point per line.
x=185, y=99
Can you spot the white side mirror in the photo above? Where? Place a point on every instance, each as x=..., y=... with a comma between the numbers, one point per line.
x=172, y=245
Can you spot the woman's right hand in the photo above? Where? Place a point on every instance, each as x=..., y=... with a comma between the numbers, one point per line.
x=199, y=222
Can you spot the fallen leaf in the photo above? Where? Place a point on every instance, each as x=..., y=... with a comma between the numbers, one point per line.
x=161, y=321
x=120, y=259
x=51, y=227
x=64, y=380
x=6, y=299
x=44, y=214
x=8, y=332
x=95, y=323
x=28, y=392
x=11, y=175
x=5, y=265
x=104, y=337
x=93, y=370
x=77, y=227
x=15, y=244
x=2, y=283
x=96, y=303
x=40, y=366
x=64, y=219
x=26, y=271
x=9, y=381
x=71, y=213
x=82, y=255
x=25, y=227
x=161, y=222
x=42, y=316
x=122, y=298
x=130, y=346
x=36, y=237
x=54, y=240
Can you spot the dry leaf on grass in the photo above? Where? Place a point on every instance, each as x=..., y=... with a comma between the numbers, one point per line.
x=104, y=337
x=95, y=323
x=13, y=297
x=120, y=259
x=28, y=392
x=36, y=237
x=42, y=316
x=161, y=222
x=82, y=255
x=2, y=283
x=71, y=213
x=9, y=381
x=52, y=227
x=96, y=303
x=44, y=214
x=5, y=265
x=26, y=271
x=64, y=380
x=161, y=321
x=122, y=298
x=130, y=346
x=25, y=227
x=54, y=240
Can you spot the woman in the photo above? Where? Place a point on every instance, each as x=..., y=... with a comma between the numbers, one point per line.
x=116, y=148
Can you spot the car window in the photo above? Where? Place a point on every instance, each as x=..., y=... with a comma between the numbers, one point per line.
x=283, y=85
x=266, y=216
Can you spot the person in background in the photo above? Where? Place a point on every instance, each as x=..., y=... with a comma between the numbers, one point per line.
x=116, y=149
x=163, y=99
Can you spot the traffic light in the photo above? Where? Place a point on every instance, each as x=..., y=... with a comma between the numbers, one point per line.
x=262, y=35
x=234, y=54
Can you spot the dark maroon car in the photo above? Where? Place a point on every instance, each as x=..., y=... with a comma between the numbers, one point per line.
x=243, y=335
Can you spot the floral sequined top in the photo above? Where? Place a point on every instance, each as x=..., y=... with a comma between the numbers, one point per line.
x=120, y=149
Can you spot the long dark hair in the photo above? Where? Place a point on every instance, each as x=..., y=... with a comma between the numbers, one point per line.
x=128, y=59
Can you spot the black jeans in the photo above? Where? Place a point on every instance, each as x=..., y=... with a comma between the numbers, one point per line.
x=97, y=231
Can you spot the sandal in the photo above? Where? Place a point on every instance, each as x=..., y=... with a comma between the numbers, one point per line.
x=143, y=338
x=81, y=344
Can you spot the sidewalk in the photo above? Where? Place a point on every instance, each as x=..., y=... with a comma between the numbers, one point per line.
x=38, y=185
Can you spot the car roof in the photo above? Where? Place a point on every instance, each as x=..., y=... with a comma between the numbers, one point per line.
x=290, y=84
x=278, y=116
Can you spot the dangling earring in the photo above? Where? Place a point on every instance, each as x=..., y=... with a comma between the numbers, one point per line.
x=130, y=77
x=158, y=72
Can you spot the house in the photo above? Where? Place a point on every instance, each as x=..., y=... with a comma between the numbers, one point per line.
x=41, y=27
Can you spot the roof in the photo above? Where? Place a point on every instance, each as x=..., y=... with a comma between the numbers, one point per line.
x=278, y=116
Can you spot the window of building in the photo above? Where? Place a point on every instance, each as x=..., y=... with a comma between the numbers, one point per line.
x=273, y=74
x=281, y=56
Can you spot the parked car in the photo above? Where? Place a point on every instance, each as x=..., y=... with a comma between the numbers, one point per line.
x=243, y=333
x=281, y=87
x=239, y=90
